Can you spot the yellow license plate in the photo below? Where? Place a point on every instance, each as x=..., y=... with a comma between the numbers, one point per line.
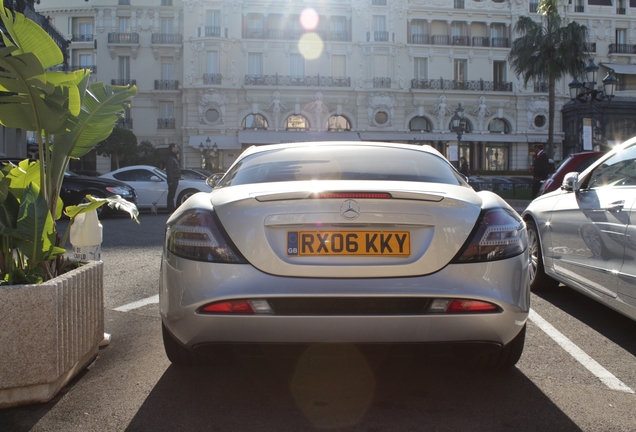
x=392, y=243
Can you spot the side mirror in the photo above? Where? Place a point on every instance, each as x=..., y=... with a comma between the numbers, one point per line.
x=570, y=182
x=214, y=179
x=155, y=178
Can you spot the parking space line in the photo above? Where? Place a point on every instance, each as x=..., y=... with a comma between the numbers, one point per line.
x=137, y=304
x=588, y=362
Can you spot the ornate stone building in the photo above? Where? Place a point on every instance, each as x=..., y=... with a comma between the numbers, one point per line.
x=219, y=76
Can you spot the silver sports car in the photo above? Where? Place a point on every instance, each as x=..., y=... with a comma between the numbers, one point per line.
x=582, y=234
x=338, y=242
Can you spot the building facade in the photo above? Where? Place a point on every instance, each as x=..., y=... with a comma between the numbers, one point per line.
x=219, y=76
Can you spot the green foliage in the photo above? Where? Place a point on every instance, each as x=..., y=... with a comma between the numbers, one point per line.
x=120, y=145
x=548, y=50
x=69, y=117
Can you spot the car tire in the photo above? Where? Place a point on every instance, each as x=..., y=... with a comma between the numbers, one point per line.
x=539, y=280
x=504, y=358
x=177, y=353
x=183, y=196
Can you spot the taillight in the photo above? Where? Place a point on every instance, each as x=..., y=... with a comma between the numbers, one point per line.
x=499, y=233
x=461, y=306
x=197, y=235
x=238, y=307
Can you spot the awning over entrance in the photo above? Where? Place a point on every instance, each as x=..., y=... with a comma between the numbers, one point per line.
x=273, y=137
x=223, y=142
x=627, y=69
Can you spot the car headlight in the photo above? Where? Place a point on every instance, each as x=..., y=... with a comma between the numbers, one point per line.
x=198, y=235
x=119, y=190
x=499, y=233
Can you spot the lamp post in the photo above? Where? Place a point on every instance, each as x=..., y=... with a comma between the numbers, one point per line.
x=587, y=93
x=458, y=125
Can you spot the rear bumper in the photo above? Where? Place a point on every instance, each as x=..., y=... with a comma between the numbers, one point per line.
x=186, y=285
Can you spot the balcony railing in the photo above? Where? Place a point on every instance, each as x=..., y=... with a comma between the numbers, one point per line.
x=166, y=2
x=534, y=6
x=167, y=38
x=541, y=87
x=579, y=8
x=441, y=40
x=459, y=4
x=381, y=36
x=442, y=84
x=166, y=123
x=381, y=82
x=420, y=39
x=378, y=2
x=211, y=31
x=69, y=68
x=460, y=40
x=123, y=82
x=124, y=3
x=212, y=78
x=82, y=38
x=288, y=34
x=620, y=11
x=590, y=47
x=166, y=84
x=622, y=49
x=123, y=38
x=125, y=123
x=254, y=34
x=500, y=42
x=338, y=36
x=481, y=41
x=308, y=81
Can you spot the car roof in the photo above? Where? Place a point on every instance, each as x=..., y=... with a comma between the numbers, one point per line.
x=269, y=147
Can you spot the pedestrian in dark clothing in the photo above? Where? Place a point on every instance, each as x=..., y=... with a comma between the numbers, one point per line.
x=463, y=166
x=173, y=170
x=540, y=169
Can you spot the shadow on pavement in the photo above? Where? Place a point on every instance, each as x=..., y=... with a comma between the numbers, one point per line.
x=606, y=321
x=339, y=388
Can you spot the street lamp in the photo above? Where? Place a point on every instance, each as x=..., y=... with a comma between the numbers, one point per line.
x=458, y=125
x=588, y=93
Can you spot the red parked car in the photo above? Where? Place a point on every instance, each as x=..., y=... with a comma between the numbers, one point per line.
x=575, y=162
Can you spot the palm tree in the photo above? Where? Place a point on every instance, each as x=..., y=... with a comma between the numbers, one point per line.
x=548, y=49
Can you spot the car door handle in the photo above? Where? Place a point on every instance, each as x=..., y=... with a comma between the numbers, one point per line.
x=615, y=206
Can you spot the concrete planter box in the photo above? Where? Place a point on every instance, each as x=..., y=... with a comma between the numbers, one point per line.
x=49, y=333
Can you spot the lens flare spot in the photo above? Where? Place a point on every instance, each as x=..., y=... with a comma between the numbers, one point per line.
x=309, y=19
x=310, y=46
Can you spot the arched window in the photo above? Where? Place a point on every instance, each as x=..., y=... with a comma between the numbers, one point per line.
x=296, y=123
x=338, y=124
x=499, y=126
x=421, y=124
x=255, y=121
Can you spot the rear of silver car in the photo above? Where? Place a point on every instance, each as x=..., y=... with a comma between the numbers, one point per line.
x=332, y=261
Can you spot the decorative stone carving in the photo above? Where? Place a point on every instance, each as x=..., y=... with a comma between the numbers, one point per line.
x=99, y=20
x=536, y=106
x=317, y=111
x=275, y=107
x=377, y=101
x=481, y=111
x=207, y=99
x=441, y=110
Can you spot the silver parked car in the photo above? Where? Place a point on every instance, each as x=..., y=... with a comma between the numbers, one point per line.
x=342, y=242
x=583, y=235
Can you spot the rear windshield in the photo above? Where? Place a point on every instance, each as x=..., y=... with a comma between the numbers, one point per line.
x=341, y=163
